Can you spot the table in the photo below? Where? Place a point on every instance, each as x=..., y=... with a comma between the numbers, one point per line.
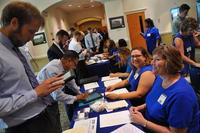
x=101, y=89
x=100, y=69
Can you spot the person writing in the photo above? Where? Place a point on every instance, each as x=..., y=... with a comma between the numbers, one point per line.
x=171, y=105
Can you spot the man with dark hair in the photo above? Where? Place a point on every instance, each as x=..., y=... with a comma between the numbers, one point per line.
x=71, y=32
x=23, y=101
x=56, y=66
x=176, y=24
x=92, y=42
x=56, y=50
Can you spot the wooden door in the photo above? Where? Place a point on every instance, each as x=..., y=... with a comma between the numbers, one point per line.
x=136, y=25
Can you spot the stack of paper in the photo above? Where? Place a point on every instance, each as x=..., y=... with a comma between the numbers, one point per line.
x=90, y=125
x=111, y=82
x=118, y=91
x=107, y=78
x=110, y=106
x=113, y=119
x=128, y=128
x=91, y=85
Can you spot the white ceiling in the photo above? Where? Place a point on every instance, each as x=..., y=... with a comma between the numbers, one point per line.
x=79, y=5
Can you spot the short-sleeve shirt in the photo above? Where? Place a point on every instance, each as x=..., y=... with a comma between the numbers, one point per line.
x=135, y=77
x=151, y=35
x=175, y=106
x=176, y=25
x=189, y=49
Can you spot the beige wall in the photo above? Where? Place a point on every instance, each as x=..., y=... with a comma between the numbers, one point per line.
x=159, y=10
x=55, y=19
x=74, y=17
x=114, y=8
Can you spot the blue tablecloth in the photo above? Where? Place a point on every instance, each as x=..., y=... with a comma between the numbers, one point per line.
x=101, y=89
x=100, y=69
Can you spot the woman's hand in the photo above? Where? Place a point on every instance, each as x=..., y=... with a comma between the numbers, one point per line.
x=138, y=118
x=111, y=96
x=110, y=88
x=133, y=109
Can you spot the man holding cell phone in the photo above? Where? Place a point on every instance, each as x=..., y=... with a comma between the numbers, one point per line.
x=65, y=64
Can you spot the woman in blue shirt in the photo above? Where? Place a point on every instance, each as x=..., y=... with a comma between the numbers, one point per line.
x=172, y=105
x=123, y=63
x=185, y=41
x=151, y=35
x=141, y=78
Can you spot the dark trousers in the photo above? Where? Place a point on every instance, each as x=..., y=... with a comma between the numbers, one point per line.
x=38, y=124
x=70, y=108
x=81, y=70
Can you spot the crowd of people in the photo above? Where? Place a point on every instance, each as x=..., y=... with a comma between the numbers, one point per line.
x=162, y=100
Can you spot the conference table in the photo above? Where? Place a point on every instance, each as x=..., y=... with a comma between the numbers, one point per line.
x=100, y=69
x=101, y=89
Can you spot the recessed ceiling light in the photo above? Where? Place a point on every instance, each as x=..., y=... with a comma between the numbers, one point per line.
x=69, y=5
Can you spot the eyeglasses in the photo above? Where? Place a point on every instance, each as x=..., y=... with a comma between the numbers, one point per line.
x=136, y=56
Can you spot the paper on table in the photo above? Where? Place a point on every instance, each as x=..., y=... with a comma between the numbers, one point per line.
x=112, y=119
x=89, y=124
x=80, y=129
x=128, y=128
x=91, y=85
x=107, y=78
x=111, y=82
x=118, y=91
x=99, y=55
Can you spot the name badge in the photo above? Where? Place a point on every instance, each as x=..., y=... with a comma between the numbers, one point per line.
x=189, y=49
x=136, y=76
x=162, y=99
x=149, y=34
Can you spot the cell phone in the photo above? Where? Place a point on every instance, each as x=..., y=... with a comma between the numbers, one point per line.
x=67, y=76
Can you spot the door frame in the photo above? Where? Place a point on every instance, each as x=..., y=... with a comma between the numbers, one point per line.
x=126, y=22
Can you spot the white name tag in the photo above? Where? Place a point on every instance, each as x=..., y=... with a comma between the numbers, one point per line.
x=189, y=49
x=149, y=34
x=162, y=99
x=136, y=76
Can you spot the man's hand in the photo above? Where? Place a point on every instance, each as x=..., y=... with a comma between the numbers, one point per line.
x=82, y=96
x=97, y=51
x=49, y=85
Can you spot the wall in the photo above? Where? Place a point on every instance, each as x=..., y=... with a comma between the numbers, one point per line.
x=159, y=10
x=114, y=8
x=55, y=19
x=76, y=16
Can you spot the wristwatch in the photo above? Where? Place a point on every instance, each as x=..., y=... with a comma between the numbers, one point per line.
x=116, y=96
x=145, y=124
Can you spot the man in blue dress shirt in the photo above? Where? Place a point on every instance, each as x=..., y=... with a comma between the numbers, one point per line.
x=22, y=99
